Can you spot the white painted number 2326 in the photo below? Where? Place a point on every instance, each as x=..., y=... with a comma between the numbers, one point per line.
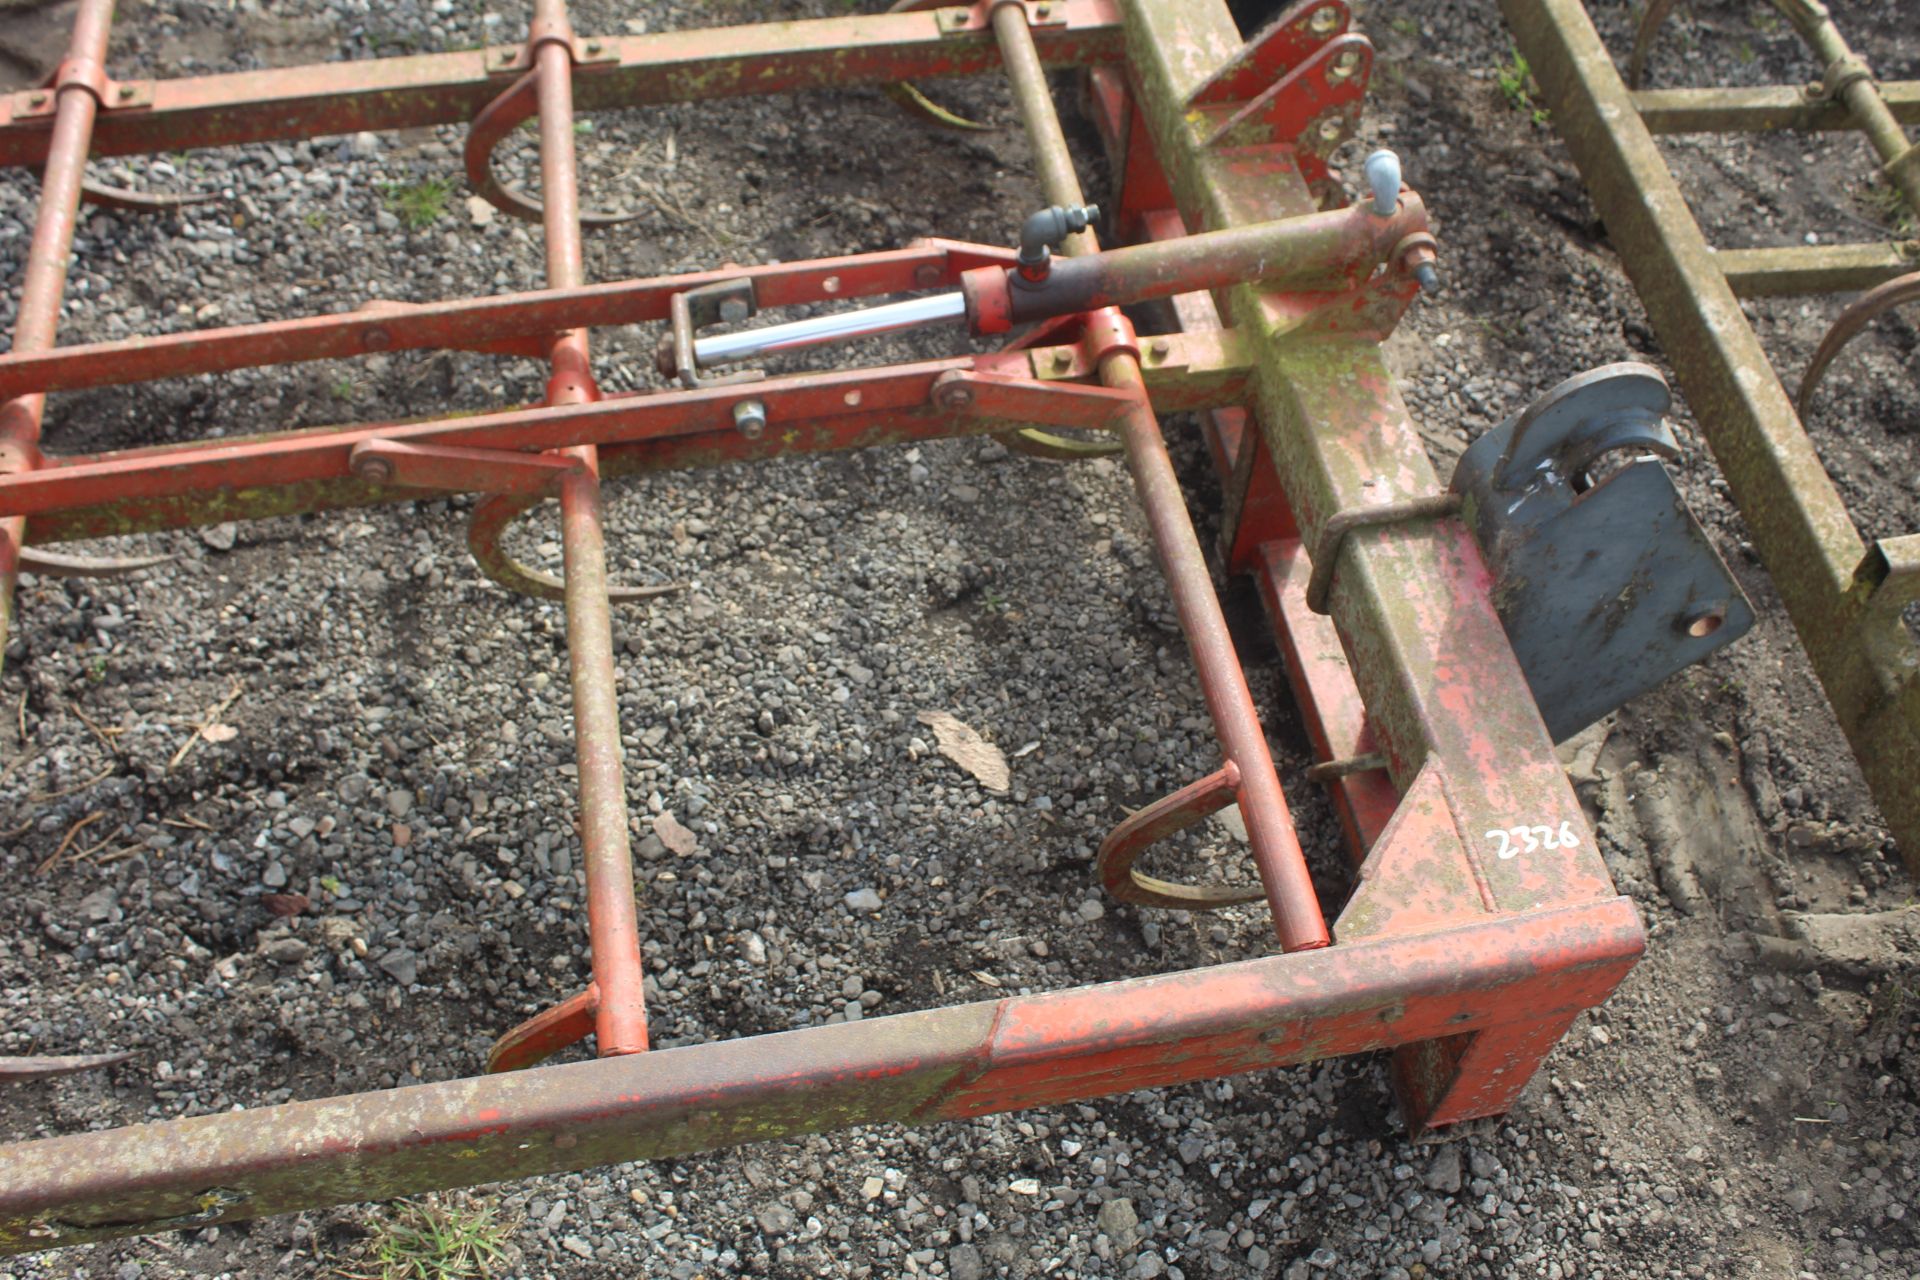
x=1515, y=841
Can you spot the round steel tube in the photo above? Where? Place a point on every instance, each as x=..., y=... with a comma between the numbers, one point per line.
x=914, y=313
x=1297, y=918
x=613, y=926
x=44, y=282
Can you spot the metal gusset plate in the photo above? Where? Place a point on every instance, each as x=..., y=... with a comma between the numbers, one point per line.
x=1604, y=580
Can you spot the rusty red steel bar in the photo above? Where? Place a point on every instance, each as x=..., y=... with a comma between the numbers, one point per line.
x=620, y=1015
x=45, y=282
x=917, y=1068
x=624, y=71
x=1290, y=895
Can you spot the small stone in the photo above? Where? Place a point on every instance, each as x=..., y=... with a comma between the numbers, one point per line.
x=286, y=951
x=221, y=537
x=775, y=1218
x=1800, y=1200
x=872, y=1187
x=1118, y=1220
x=863, y=900
x=1024, y=1186
x=676, y=837
x=1235, y=825
x=576, y=1246
x=1091, y=910
x=1444, y=1173
x=964, y=1263
x=399, y=802
x=402, y=965
x=275, y=876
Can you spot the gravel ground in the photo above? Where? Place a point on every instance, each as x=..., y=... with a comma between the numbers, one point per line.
x=1744, y=1107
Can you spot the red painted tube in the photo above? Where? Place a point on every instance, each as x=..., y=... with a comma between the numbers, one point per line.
x=46, y=273
x=1297, y=917
x=613, y=927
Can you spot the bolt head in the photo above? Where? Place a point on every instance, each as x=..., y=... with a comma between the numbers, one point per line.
x=593, y=48
x=378, y=339
x=37, y=100
x=733, y=310
x=956, y=396
x=750, y=418
x=1160, y=348
x=374, y=470
x=926, y=275
x=126, y=91
x=1062, y=359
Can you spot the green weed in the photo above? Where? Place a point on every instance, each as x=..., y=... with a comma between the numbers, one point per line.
x=419, y=204
x=432, y=1239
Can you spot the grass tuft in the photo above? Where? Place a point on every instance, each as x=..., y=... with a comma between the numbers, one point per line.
x=432, y=1238
x=1517, y=86
x=420, y=204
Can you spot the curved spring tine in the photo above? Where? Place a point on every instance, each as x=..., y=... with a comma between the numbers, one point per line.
x=914, y=102
x=110, y=197
x=1650, y=24
x=488, y=525
x=519, y=102
x=1123, y=846
x=54, y=564
x=909, y=98
x=545, y=1033
x=1036, y=442
x=1859, y=313
x=18, y=1069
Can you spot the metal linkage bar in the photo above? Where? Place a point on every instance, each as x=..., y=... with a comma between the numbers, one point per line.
x=1836, y=589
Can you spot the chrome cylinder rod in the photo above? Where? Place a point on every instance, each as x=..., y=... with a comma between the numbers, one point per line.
x=914, y=313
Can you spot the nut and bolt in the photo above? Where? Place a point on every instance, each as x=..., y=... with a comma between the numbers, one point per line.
x=953, y=395
x=750, y=418
x=926, y=275
x=374, y=470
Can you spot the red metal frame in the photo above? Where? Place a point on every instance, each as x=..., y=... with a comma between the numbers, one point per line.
x=1469, y=964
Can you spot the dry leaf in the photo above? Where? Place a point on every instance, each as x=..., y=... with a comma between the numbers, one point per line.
x=219, y=733
x=985, y=977
x=960, y=744
x=676, y=837
x=284, y=904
